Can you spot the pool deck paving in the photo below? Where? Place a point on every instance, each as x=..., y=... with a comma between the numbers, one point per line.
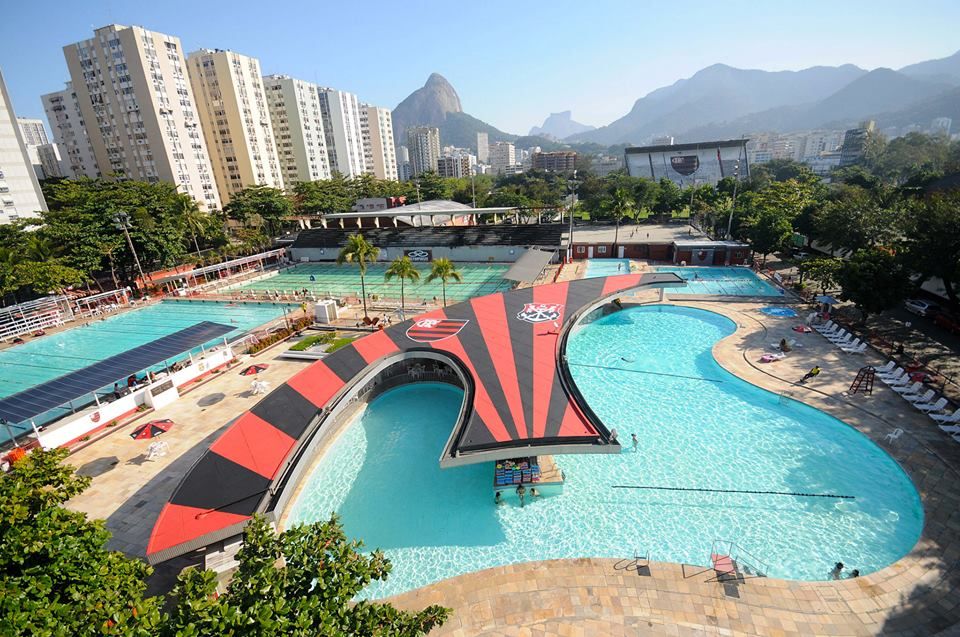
x=914, y=596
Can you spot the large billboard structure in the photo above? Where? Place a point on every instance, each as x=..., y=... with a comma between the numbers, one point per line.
x=689, y=164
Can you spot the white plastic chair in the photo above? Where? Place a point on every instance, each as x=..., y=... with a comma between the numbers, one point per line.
x=908, y=389
x=918, y=399
x=855, y=342
x=889, y=367
x=928, y=407
x=947, y=418
x=859, y=349
x=893, y=435
x=829, y=326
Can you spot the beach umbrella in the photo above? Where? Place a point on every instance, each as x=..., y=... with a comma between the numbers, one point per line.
x=829, y=300
x=254, y=369
x=152, y=429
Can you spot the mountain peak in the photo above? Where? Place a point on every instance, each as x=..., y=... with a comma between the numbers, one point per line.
x=437, y=79
x=560, y=125
x=426, y=106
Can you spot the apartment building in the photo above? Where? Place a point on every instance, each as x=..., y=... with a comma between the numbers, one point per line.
x=136, y=102
x=298, y=128
x=404, y=169
x=69, y=133
x=379, y=152
x=33, y=131
x=503, y=158
x=423, y=142
x=558, y=162
x=344, y=136
x=483, y=147
x=235, y=120
x=456, y=165
x=20, y=195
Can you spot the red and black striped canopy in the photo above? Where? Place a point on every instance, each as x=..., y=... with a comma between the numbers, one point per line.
x=507, y=347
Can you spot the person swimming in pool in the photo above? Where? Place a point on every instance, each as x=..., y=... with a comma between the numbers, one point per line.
x=498, y=499
x=521, y=491
x=837, y=568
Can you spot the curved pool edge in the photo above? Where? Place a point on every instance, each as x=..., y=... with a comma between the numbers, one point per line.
x=913, y=594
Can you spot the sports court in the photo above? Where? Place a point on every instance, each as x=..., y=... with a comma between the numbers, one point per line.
x=331, y=280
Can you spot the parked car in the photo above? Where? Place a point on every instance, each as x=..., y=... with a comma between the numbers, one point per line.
x=949, y=322
x=920, y=307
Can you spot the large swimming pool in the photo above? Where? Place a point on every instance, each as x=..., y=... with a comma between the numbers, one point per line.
x=647, y=371
x=714, y=280
x=43, y=359
x=606, y=267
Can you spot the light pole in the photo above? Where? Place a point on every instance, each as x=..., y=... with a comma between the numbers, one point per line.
x=122, y=221
x=573, y=200
x=736, y=182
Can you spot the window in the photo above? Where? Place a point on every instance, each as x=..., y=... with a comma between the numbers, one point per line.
x=601, y=249
x=581, y=249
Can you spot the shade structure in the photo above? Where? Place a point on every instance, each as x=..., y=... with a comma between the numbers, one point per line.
x=152, y=429
x=829, y=300
x=39, y=399
x=529, y=266
x=254, y=369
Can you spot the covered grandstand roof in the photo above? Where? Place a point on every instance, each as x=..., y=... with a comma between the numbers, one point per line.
x=544, y=235
x=519, y=399
x=529, y=266
x=39, y=399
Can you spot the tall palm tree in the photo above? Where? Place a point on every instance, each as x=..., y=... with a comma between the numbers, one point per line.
x=39, y=248
x=360, y=251
x=445, y=270
x=621, y=205
x=403, y=269
x=195, y=220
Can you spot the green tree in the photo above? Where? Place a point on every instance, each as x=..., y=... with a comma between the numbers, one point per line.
x=669, y=198
x=403, y=269
x=856, y=218
x=908, y=155
x=47, y=276
x=444, y=270
x=327, y=196
x=260, y=206
x=301, y=583
x=56, y=576
x=874, y=280
x=824, y=270
x=358, y=250
x=621, y=205
x=767, y=231
x=933, y=240
x=433, y=186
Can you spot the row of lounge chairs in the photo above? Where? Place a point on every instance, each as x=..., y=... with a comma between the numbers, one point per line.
x=901, y=381
x=840, y=337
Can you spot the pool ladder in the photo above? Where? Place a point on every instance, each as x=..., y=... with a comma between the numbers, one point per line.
x=748, y=565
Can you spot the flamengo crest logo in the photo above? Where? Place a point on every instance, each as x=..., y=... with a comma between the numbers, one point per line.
x=429, y=330
x=540, y=312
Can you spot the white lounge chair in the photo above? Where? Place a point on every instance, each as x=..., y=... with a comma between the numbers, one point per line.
x=928, y=407
x=908, y=389
x=859, y=349
x=947, y=418
x=829, y=326
x=898, y=381
x=852, y=343
x=889, y=367
x=950, y=429
x=918, y=399
x=896, y=373
x=839, y=335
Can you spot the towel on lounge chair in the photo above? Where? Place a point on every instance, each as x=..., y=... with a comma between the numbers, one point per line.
x=771, y=358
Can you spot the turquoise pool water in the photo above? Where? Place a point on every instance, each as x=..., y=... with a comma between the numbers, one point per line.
x=697, y=426
x=43, y=359
x=606, y=267
x=720, y=280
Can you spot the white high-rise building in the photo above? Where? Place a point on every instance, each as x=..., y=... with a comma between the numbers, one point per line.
x=235, y=120
x=404, y=169
x=483, y=147
x=20, y=195
x=380, y=155
x=138, y=108
x=51, y=164
x=423, y=143
x=298, y=128
x=34, y=134
x=69, y=133
x=502, y=157
x=341, y=125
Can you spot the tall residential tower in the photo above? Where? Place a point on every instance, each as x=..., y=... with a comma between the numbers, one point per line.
x=380, y=155
x=423, y=142
x=344, y=136
x=20, y=194
x=135, y=100
x=69, y=133
x=235, y=120
x=298, y=127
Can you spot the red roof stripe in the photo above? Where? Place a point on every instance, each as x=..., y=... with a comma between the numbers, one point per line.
x=545, y=354
x=492, y=319
x=574, y=423
x=374, y=346
x=178, y=524
x=255, y=444
x=481, y=399
x=615, y=283
x=316, y=383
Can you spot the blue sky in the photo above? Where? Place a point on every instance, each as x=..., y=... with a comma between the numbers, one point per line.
x=512, y=62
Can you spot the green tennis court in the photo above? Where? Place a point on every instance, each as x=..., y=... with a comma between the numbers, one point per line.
x=333, y=280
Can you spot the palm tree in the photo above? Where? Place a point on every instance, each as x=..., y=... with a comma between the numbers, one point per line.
x=195, y=220
x=39, y=248
x=445, y=270
x=360, y=251
x=621, y=205
x=403, y=269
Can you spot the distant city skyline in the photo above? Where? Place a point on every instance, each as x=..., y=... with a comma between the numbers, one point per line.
x=613, y=55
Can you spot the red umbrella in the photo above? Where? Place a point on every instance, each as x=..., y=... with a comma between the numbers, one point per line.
x=151, y=429
x=254, y=369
